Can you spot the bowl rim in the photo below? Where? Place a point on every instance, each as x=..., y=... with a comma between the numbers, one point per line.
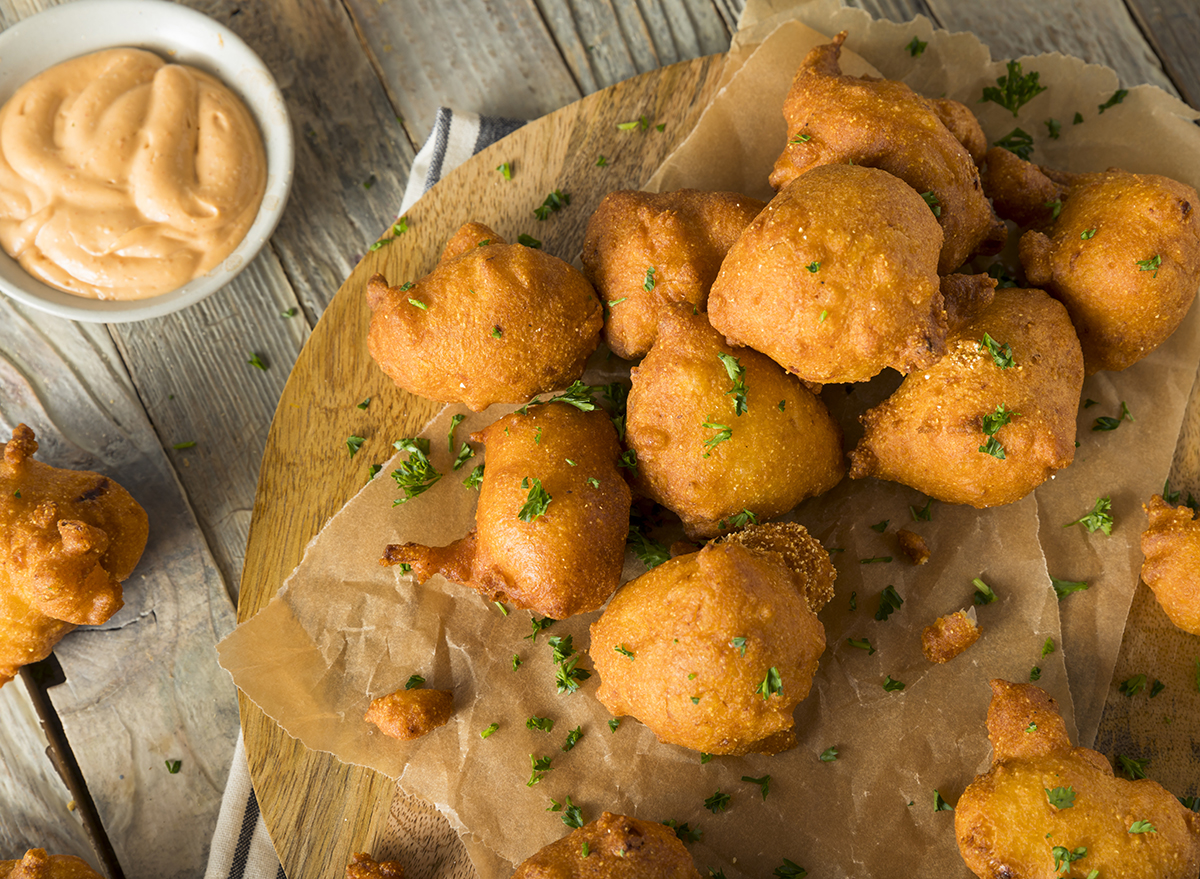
x=181, y=35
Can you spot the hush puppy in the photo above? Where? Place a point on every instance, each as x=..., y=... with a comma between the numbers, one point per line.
x=993, y=418
x=492, y=323
x=67, y=540
x=834, y=119
x=410, y=714
x=644, y=251
x=718, y=430
x=612, y=847
x=552, y=517
x=1171, y=545
x=38, y=865
x=1046, y=809
x=1124, y=257
x=713, y=650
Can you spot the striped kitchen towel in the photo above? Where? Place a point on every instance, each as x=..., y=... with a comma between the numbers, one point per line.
x=241, y=847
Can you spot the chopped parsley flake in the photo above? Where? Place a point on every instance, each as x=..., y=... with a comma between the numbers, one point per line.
x=889, y=601
x=488, y=730
x=416, y=474
x=573, y=738
x=1061, y=797
x=983, y=592
x=1135, y=769
x=992, y=447
x=505, y=169
x=1151, y=264
x=1000, y=272
x=723, y=432
x=541, y=765
x=1063, y=588
x=536, y=502
x=1156, y=688
x=1117, y=97
x=1130, y=687
x=1035, y=674
x=1054, y=129
x=737, y=375
x=1001, y=352
x=939, y=804
x=1142, y=827
x=739, y=520
x=528, y=241
x=789, y=870
x=739, y=644
x=542, y=724
x=1099, y=519
x=257, y=362
x=871, y=561
x=649, y=283
x=1019, y=142
x=1078, y=118
x=650, y=552
x=1087, y=234
x=718, y=802
x=813, y=267
x=683, y=832
x=614, y=723
x=880, y=527
x=601, y=162
x=623, y=650
x=1015, y=89
x=516, y=662
x=173, y=766
x=917, y=47
x=1055, y=207
x=415, y=682
x=892, y=685
x=932, y=201
x=764, y=783
x=289, y=312
x=801, y=138
x=771, y=684
x=537, y=626
x=1048, y=647
x=640, y=124
x=925, y=514
x=861, y=644
x=828, y=755
x=1064, y=856
x=191, y=444
x=555, y=201
x=475, y=477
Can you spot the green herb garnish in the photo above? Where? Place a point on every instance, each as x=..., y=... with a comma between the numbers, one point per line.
x=916, y=47
x=1061, y=797
x=1015, y=89
x=763, y=783
x=718, y=802
x=1117, y=97
x=416, y=474
x=1019, y=142
x=1099, y=519
x=889, y=601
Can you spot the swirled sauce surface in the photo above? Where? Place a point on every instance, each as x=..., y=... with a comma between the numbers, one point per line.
x=123, y=177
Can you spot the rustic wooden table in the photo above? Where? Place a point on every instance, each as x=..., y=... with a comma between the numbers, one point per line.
x=363, y=80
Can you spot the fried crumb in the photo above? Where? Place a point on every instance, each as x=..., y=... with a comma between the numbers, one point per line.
x=363, y=866
x=913, y=545
x=410, y=714
x=949, y=636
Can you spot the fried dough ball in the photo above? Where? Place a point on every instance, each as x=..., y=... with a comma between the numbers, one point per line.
x=363, y=866
x=968, y=431
x=618, y=847
x=913, y=545
x=1171, y=544
x=713, y=650
x=38, y=865
x=703, y=461
x=948, y=636
x=410, y=714
x=1046, y=808
x=67, y=540
x=644, y=251
x=552, y=517
x=932, y=146
x=1124, y=258
x=837, y=278
x=1021, y=191
x=492, y=323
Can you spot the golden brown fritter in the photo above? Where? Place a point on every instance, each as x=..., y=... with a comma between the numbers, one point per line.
x=1171, y=545
x=803, y=555
x=67, y=540
x=834, y=118
x=948, y=636
x=363, y=866
x=967, y=430
x=837, y=278
x=1124, y=258
x=552, y=518
x=492, y=323
x=644, y=251
x=1046, y=809
x=701, y=459
x=410, y=714
x=1029, y=195
x=38, y=865
x=617, y=847
x=713, y=650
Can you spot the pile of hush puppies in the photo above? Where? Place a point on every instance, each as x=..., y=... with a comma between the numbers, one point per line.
x=737, y=313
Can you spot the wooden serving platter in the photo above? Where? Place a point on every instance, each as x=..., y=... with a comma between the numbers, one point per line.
x=317, y=809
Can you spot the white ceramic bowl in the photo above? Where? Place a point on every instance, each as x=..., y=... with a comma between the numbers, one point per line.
x=177, y=34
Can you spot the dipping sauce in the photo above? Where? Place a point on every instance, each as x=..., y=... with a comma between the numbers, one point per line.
x=123, y=177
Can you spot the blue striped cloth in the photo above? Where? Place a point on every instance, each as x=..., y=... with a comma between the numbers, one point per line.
x=241, y=847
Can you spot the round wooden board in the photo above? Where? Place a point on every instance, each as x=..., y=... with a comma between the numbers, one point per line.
x=317, y=809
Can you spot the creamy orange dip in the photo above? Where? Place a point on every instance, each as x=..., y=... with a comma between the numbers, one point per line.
x=123, y=177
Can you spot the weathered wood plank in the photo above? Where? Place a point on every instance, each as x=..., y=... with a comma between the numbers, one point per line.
x=1172, y=27
x=38, y=811
x=145, y=687
x=193, y=376
x=1099, y=31
x=473, y=55
x=607, y=42
x=896, y=10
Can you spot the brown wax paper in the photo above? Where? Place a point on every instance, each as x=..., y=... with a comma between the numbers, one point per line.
x=1149, y=132
x=344, y=630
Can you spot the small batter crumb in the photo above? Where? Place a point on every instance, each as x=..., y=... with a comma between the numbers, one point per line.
x=949, y=636
x=410, y=714
x=914, y=546
x=363, y=866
